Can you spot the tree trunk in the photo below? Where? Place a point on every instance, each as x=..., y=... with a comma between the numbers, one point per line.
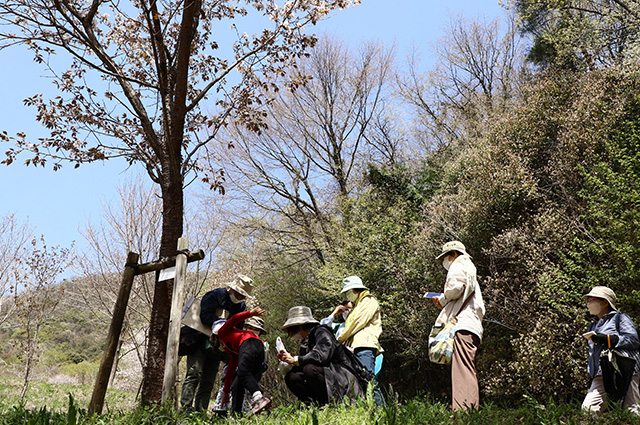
x=172, y=223
x=32, y=344
x=170, y=156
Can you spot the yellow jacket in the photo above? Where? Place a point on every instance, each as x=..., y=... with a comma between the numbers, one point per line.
x=364, y=325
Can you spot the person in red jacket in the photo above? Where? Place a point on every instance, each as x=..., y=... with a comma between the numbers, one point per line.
x=246, y=361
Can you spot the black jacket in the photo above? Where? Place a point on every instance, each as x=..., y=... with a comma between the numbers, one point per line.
x=323, y=349
x=214, y=302
x=211, y=307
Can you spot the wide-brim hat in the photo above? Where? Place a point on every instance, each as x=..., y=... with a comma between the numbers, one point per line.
x=451, y=246
x=256, y=322
x=352, y=282
x=299, y=315
x=242, y=284
x=604, y=293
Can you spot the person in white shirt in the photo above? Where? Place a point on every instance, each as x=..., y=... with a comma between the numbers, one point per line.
x=462, y=299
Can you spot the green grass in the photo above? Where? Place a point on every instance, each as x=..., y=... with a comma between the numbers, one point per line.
x=54, y=397
x=49, y=404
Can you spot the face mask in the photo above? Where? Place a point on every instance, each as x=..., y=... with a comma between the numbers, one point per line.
x=352, y=296
x=234, y=299
x=595, y=308
x=446, y=263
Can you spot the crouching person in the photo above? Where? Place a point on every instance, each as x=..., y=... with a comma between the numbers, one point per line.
x=246, y=362
x=322, y=372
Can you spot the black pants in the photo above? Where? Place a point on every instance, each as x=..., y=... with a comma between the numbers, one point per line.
x=249, y=372
x=308, y=384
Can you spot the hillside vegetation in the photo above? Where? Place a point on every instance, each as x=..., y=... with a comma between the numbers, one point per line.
x=523, y=142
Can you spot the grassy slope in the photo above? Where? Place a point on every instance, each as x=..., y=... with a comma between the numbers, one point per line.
x=49, y=404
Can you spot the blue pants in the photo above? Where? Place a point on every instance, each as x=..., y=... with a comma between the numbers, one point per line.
x=367, y=357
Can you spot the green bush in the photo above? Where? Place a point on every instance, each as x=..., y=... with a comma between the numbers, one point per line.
x=85, y=371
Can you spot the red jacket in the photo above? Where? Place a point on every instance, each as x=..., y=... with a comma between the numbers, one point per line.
x=231, y=339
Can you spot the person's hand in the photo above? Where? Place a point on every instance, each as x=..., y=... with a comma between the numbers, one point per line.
x=339, y=310
x=225, y=398
x=256, y=311
x=602, y=339
x=286, y=357
x=436, y=302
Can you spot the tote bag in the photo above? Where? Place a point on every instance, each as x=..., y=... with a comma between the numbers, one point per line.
x=441, y=343
x=441, y=338
x=617, y=370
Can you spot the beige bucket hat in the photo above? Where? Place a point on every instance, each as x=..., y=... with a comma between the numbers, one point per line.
x=604, y=293
x=451, y=246
x=352, y=282
x=299, y=315
x=256, y=322
x=242, y=284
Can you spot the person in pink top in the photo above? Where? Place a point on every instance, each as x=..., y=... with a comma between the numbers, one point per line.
x=245, y=366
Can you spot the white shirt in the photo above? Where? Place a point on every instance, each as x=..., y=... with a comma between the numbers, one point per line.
x=460, y=284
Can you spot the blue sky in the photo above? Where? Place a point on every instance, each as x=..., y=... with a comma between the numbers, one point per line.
x=58, y=204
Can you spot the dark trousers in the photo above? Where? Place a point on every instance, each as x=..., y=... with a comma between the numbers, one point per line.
x=249, y=372
x=202, y=368
x=308, y=384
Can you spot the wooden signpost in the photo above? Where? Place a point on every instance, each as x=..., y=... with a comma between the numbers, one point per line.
x=132, y=269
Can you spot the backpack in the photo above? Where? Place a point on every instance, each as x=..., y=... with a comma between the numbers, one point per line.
x=353, y=364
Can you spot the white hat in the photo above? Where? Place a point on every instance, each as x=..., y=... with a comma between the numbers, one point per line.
x=451, y=246
x=604, y=293
x=242, y=284
x=352, y=282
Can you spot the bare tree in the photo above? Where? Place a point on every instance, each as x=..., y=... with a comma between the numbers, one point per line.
x=13, y=239
x=477, y=76
x=318, y=136
x=140, y=73
x=36, y=297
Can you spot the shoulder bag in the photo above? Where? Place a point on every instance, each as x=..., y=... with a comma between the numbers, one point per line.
x=441, y=338
x=617, y=369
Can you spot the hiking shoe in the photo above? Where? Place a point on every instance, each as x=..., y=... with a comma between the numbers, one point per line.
x=259, y=405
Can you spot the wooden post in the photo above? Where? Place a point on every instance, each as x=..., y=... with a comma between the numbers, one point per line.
x=173, y=339
x=165, y=263
x=102, y=380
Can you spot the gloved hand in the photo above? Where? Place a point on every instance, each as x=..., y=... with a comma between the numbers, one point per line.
x=602, y=339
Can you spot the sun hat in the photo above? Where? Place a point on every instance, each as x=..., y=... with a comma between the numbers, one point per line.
x=242, y=284
x=299, y=315
x=451, y=246
x=256, y=322
x=604, y=293
x=215, y=327
x=352, y=282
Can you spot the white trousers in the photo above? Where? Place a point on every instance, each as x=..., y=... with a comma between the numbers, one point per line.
x=596, y=401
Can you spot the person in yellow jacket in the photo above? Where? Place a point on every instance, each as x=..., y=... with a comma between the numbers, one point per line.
x=363, y=326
